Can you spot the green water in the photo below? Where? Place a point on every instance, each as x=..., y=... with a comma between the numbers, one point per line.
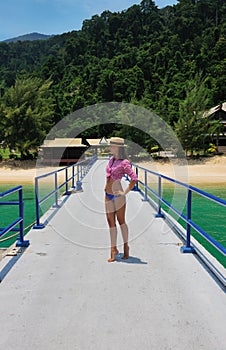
x=10, y=213
x=205, y=213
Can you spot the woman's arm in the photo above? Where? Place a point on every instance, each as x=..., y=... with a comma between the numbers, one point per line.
x=130, y=186
x=133, y=177
x=127, y=190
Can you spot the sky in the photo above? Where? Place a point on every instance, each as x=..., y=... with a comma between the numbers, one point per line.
x=19, y=17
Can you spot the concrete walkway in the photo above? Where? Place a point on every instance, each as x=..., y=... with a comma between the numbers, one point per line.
x=61, y=293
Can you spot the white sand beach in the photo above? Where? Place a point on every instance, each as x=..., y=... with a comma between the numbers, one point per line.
x=205, y=171
x=17, y=172
x=198, y=171
x=16, y=175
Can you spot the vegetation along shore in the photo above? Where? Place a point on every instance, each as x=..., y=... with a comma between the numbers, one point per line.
x=169, y=60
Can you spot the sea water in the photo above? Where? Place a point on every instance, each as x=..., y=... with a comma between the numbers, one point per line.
x=206, y=214
x=9, y=213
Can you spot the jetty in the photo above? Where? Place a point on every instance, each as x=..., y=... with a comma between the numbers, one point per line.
x=61, y=293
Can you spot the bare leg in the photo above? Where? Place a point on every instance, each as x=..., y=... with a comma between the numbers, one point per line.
x=113, y=236
x=120, y=213
x=110, y=212
x=125, y=235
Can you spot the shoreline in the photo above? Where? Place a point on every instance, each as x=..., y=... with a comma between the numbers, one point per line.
x=202, y=171
x=210, y=171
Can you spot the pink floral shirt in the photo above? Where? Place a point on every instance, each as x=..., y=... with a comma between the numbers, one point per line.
x=117, y=168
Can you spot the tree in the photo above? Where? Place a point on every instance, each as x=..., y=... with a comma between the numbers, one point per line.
x=27, y=109
x=147, y=6
x=192, y=127
x=142, y=53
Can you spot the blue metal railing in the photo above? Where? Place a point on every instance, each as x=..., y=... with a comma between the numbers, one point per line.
x=70, y=175
x=19, y=220
x=186, y=218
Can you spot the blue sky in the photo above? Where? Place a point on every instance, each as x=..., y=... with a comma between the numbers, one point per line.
x=18, y=17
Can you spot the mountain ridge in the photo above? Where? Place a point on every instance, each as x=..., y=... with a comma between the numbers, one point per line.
x=28, y=37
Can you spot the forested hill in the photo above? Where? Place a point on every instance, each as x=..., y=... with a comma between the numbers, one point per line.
x=142, y=55
x=28, y=37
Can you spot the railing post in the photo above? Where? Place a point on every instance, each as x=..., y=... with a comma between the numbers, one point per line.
x=21, y=242
x=73, y=176
x=78, y=174
x=87, y=168
x=66, y=180
x=159, y=215
x=78, y=182
x=38, y=225
x=145, y=199
x=56, y=191
x=136, y=185
x=188, y=248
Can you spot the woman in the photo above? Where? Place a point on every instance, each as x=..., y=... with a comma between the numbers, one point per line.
x=115, y=200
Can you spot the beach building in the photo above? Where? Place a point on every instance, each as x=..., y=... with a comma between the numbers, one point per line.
x=63, y=151
x=97, y=145
x=66, y=151
x=219, y=113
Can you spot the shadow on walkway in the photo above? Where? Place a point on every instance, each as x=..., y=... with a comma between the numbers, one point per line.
x=6, y=269
x=130, y=260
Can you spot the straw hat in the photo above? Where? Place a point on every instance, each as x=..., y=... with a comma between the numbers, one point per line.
x=118, y=141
